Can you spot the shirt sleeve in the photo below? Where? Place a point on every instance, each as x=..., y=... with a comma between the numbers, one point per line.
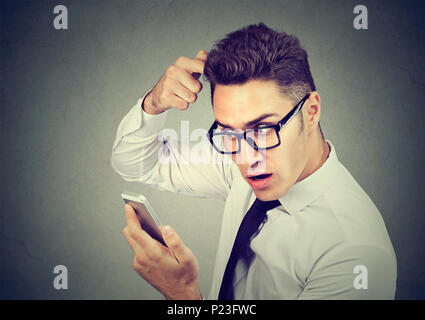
x=142, y=152
x=360, y=272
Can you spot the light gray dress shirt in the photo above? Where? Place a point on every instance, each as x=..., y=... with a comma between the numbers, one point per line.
x=326, y=241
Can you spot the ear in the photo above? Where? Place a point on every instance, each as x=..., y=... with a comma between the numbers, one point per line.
x=311, y=111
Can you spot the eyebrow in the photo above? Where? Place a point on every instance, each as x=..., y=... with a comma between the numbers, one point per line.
x=252, y=122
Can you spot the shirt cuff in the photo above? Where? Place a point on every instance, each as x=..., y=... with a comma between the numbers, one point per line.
x=140, y=124
x=144, y=124
x=149, y=124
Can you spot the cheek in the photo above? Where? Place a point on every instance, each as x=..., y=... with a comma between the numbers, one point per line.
x=288, y=160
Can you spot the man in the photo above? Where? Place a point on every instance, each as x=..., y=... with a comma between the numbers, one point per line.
x=296, y=224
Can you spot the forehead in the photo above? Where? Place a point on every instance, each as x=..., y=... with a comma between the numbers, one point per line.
x=238, y=104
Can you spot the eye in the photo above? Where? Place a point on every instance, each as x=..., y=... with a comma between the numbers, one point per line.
x=262, y=130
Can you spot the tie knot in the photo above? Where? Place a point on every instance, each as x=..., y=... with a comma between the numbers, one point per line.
x=266, y=205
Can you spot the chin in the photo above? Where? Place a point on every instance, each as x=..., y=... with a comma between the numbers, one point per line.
x=266, y=194
x=270, y=193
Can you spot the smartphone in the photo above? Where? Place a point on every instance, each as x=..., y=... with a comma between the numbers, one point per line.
x=148, y=219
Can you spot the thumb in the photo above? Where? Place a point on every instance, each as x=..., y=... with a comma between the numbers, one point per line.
x=202, y=55
x=174, y=242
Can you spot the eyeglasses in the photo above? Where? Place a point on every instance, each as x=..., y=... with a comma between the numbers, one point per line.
x=263, y=137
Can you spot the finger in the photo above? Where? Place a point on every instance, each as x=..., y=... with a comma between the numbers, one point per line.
x=181, y=91
x=178, y=102
x=133, y=244
x=202, y=55
x=190, y=65
x=131, y=217
x=188, y=81
x=142, y=238
x=174, y=242
x=140, y=258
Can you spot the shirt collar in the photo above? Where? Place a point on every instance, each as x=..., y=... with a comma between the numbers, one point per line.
x=309, y=189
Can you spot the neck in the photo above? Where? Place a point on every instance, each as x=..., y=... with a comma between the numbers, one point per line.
x=319, y=152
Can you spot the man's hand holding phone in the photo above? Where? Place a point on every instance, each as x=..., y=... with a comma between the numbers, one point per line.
x=179, y=85
x=157, y=264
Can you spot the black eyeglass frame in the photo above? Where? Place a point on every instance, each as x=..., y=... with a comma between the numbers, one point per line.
x=251, y=142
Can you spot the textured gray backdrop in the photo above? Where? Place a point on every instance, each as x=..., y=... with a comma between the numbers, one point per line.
x=63, y=94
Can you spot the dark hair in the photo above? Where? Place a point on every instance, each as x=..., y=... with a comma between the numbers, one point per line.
x=257, y=52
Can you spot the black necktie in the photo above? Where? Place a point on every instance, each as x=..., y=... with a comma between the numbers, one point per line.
x=250, y=224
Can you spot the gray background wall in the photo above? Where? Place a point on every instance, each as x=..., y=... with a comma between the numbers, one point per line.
x=63, y=94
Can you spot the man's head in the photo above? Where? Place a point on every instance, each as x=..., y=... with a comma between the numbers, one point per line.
x=256, y=71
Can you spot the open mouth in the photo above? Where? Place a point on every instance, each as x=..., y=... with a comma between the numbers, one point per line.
x=260, y=181
x=260, y=177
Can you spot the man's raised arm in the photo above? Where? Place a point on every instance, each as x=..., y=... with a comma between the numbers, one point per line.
x=140, y=154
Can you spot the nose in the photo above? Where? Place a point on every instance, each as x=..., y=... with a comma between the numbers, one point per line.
x=250, y=158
